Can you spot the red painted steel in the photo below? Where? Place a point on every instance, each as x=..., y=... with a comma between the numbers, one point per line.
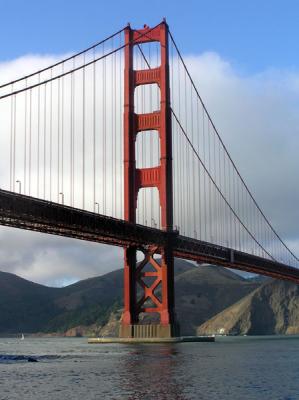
x=147, y=122
x=159, y=176
x=148, y=177
x=147, y=76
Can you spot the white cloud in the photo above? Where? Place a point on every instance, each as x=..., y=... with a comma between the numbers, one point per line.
x=54, y=260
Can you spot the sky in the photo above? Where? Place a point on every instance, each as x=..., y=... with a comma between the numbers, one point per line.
x=244, y=57
x=252, y=34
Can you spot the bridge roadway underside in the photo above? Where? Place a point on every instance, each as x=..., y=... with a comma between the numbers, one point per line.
x=33, y=214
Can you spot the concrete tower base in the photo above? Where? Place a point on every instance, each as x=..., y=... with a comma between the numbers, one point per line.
x=149, y=331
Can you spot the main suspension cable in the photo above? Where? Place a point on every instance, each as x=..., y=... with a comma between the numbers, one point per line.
x=62, y=61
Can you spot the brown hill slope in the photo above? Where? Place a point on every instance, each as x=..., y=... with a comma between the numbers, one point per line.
x=271, y=309
x=205, y=291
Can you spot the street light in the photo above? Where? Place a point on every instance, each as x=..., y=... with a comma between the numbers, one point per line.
x=98, y=206
x=20, y=186
x=62, y=197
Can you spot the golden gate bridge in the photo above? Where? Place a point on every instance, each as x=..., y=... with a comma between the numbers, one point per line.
x=115, y=145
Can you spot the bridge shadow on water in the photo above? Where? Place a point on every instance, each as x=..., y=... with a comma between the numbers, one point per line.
x=151, y=373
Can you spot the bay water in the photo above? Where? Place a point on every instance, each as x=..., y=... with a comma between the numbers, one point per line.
x=232, y=368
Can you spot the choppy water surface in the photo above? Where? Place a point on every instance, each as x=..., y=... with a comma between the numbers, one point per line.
x=231, y=368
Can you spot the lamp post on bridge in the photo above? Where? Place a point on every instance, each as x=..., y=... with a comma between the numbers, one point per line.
x=20, y=186
x=62, y=197
x=98, y=207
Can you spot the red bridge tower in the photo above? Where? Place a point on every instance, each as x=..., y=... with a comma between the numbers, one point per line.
x=161, y=274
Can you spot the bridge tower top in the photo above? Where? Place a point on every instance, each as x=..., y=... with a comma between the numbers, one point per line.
x=134, y=124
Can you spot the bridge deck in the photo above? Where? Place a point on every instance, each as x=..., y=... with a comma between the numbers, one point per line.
x=30, y=213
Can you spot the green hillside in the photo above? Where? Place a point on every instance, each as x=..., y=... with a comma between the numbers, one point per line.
x=201, y=292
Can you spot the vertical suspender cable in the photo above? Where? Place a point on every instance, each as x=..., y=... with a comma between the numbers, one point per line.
x=11, y=141
x=104, y=134
x=83, y=137
x=14, y=139
x=38, y=137
x=30, y=138
x=62, y=131
x=51, y=136
x=45, y=139
x=58, y=141
x=25, y=141
x=94, y=130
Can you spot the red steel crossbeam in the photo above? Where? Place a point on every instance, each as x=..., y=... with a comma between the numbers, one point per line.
x=149, y=291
